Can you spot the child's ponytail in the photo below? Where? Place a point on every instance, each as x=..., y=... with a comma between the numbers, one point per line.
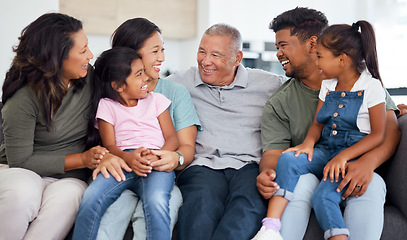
x=368, y=42
x=360, y=46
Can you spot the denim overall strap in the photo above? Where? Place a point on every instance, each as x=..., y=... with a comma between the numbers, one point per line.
x=339, y=117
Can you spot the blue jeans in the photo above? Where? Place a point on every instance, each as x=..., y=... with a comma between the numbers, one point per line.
x=325, y=199
x=363, y=215
x=154, y=191
x=220, y=204
x=128, y=207
x=339, y=115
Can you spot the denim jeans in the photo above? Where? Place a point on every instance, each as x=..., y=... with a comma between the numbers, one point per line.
x=363, y=216
x=129, y=208
x=154, y=191
x=339, y=116
x=220, y=204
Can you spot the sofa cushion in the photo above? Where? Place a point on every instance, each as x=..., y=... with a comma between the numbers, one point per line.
x=397, y=172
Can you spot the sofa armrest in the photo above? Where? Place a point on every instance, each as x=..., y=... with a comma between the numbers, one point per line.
x=397, y=172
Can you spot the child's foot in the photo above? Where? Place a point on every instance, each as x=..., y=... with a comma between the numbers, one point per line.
x=269, y=234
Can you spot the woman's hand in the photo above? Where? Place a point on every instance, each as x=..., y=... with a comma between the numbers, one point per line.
x=167, y=160
x=113, y=165
x=91, y=158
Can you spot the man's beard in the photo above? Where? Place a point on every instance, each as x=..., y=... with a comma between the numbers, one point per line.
x=297, y=71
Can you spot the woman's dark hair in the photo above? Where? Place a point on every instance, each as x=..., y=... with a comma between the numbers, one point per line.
x=359, y=46
x=302, y=22
x=44, y=45
x=133, y=33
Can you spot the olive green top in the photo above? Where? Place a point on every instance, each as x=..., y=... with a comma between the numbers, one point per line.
x=27, y=143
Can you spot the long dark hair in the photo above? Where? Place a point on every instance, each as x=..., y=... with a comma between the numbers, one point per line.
x=44, y=45
x=113, y=65
x=359, y=46
x=133, y=33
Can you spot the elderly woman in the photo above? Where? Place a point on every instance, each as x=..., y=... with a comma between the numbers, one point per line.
x=45, y=157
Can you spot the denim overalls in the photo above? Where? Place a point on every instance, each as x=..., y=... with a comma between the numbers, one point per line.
x=339, y=116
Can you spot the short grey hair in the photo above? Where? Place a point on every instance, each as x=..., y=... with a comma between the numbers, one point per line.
x=222, y=29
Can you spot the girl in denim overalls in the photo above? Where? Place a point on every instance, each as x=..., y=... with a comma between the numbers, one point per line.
x=349, y=121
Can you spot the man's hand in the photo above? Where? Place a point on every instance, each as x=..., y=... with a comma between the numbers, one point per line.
x=265, y=183
x=358, y=177
x=403, y=109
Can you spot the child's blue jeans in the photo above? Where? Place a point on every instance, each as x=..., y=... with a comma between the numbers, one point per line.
x=339, y=115
x=154, y=191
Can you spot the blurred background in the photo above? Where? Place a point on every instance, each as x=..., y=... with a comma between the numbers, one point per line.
x=183, y=22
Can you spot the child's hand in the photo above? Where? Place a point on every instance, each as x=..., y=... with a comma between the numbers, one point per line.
x=302, y=148
x=138, y=161
x=335, y=167
x=113, y=165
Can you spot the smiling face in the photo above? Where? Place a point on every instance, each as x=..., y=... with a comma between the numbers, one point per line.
x=152, y=53
x=76, y=65
x=293, y=55
x=136, y=85
x=328, y=63
x=217, y=62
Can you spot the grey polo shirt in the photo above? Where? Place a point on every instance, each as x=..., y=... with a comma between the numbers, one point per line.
x=230, y=116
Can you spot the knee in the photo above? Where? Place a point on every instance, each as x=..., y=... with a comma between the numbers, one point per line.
x=20, y=195
x=287, y=162
x=376, y=189
x=72, y=191
x=285, y=159
x=23, y=191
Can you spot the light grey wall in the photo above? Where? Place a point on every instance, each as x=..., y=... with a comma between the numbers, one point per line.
x=14, y=16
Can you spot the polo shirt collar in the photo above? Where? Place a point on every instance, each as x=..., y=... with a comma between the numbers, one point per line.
x=241, y=78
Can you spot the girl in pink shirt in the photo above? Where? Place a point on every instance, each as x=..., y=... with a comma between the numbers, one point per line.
x=131, y=122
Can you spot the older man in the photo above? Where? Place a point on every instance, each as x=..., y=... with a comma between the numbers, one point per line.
x=221, y=200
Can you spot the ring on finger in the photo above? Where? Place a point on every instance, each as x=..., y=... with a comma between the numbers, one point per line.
x=358, y=186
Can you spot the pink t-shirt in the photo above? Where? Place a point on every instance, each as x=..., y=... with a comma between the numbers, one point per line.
x=137, y=126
